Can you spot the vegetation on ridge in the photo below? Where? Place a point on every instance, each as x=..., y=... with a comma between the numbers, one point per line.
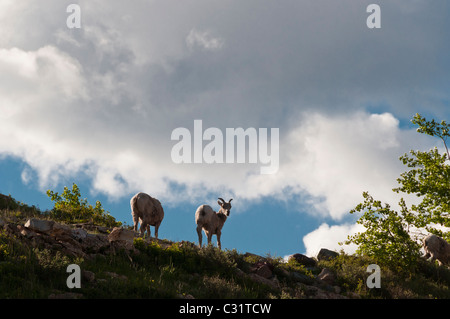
x=163, y=269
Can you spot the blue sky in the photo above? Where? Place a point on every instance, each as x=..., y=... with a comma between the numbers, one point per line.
x=97, y=105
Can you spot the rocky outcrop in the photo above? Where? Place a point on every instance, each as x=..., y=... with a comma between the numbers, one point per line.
x=121, y=234
x=321, y=286
x=122, y=238
x=327, y=276
x=40, y=225
x=304, y=260
x=262, y=269
x=326, y=254
x=272, y=283
x=74, y=240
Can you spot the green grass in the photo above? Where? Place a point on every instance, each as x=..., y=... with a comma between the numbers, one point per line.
x=27, y=272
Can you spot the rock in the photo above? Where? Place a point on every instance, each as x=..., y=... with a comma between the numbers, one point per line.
x=256, y=278
x=91, y=227
x=264, y=271
x=303, y=260
x=88, y=276
x=122, y=238
x=26, y=232
x=115, y=276
x=302, y=278
x=40, y=225
x=79, y=234
x=327, y=276
x=313, y=292
x=326, y=254
x=72, y=248
x=76, y=242
x=272, y=284
x=48, y=227
x=121, y=234
x=95, y=243
x=61, y=232
x=103, y=229
x=254, y=259
x=263, y=268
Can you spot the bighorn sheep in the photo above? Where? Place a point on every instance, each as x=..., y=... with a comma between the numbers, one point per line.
x=147, y=211
x=437, y=248
x=211, y=222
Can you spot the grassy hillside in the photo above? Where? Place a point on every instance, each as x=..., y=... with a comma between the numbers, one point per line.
x=34, y=265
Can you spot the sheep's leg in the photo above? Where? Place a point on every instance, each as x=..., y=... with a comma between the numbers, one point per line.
x=135, y=221
x=143, y=228
x=156, y=230
x=218, y=239
x=149, y=233
x=433, y=257
x=199, y=232
x=209, y=235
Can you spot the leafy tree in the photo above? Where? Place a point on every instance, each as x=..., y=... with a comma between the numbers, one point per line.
x=387, y=237
x=432, y=128
x=429, y=178
x=70, y=207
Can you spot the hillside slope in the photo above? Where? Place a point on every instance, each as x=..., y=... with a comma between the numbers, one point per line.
x=35, y=252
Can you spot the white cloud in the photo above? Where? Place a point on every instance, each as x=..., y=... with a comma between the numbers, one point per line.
x=335, y=158
x=36, y=88
x=329, y=237
x=45, y=73
x=204, y=40
x=26, y=175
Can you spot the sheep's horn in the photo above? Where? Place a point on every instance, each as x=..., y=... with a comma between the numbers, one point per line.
x=230, y=200
x=221, y=200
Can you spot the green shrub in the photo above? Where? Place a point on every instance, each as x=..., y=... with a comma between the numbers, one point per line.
x=70, y=208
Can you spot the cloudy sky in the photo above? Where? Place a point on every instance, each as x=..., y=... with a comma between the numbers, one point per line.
x=97, y=106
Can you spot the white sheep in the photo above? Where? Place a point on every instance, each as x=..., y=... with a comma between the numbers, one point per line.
x=437, y=248
x=210, y=221
x=147, y=211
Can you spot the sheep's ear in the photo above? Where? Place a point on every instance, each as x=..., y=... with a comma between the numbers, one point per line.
x=220, y=203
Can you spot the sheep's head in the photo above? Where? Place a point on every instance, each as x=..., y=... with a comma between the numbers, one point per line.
x=225, y=207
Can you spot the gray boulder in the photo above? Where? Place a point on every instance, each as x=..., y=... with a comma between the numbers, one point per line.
x=327, y=276
x=39, y=225
x=303, y=260
x=326, y=254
